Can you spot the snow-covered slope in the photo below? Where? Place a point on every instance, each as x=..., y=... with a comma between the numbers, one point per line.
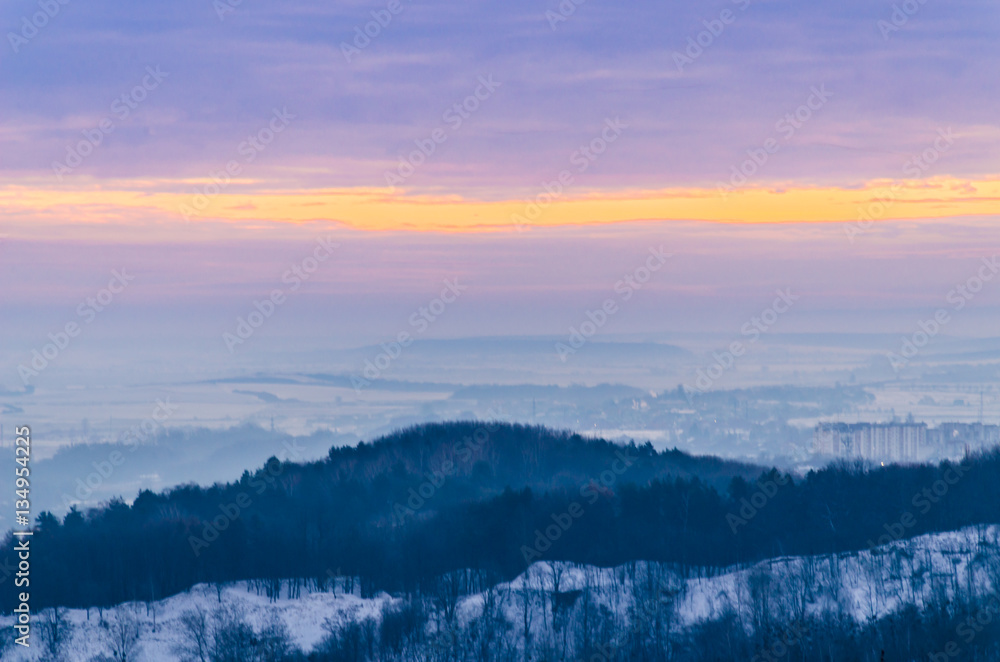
x=304, y=617
x=861, y=585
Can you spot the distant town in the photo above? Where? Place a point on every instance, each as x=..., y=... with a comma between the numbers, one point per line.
x=903, y=442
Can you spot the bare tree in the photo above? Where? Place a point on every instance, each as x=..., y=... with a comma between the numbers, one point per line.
x=448, y=591
x=196, y=642
x=350, y=642
x=559, y=604
x=652, y=605
x=872, y=571
x=991, y=563
x=527, y=599
x=121, y=631
x=586, y=621
x=233, y=638
x=760, y=589
x=491, y=638
x=54, y=631
x=796, y=588
x=274, y=643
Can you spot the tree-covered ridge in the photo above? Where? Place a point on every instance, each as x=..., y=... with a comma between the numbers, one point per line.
x=490, y=498
x=496, y=456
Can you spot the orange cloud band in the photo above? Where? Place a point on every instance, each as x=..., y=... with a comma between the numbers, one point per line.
x=381, y=209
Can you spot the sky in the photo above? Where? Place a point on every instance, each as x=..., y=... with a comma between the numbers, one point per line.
x=537, y=151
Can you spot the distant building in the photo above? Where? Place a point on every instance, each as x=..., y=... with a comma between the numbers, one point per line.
x=956, y=438
x=879, y=442
x=902, y=442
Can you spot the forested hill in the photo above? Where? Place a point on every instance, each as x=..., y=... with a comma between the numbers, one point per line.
x=488, y=457
x=490, y=498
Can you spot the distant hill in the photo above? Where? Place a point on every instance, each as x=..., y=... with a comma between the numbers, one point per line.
x=82, y=474
x=489, y=457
